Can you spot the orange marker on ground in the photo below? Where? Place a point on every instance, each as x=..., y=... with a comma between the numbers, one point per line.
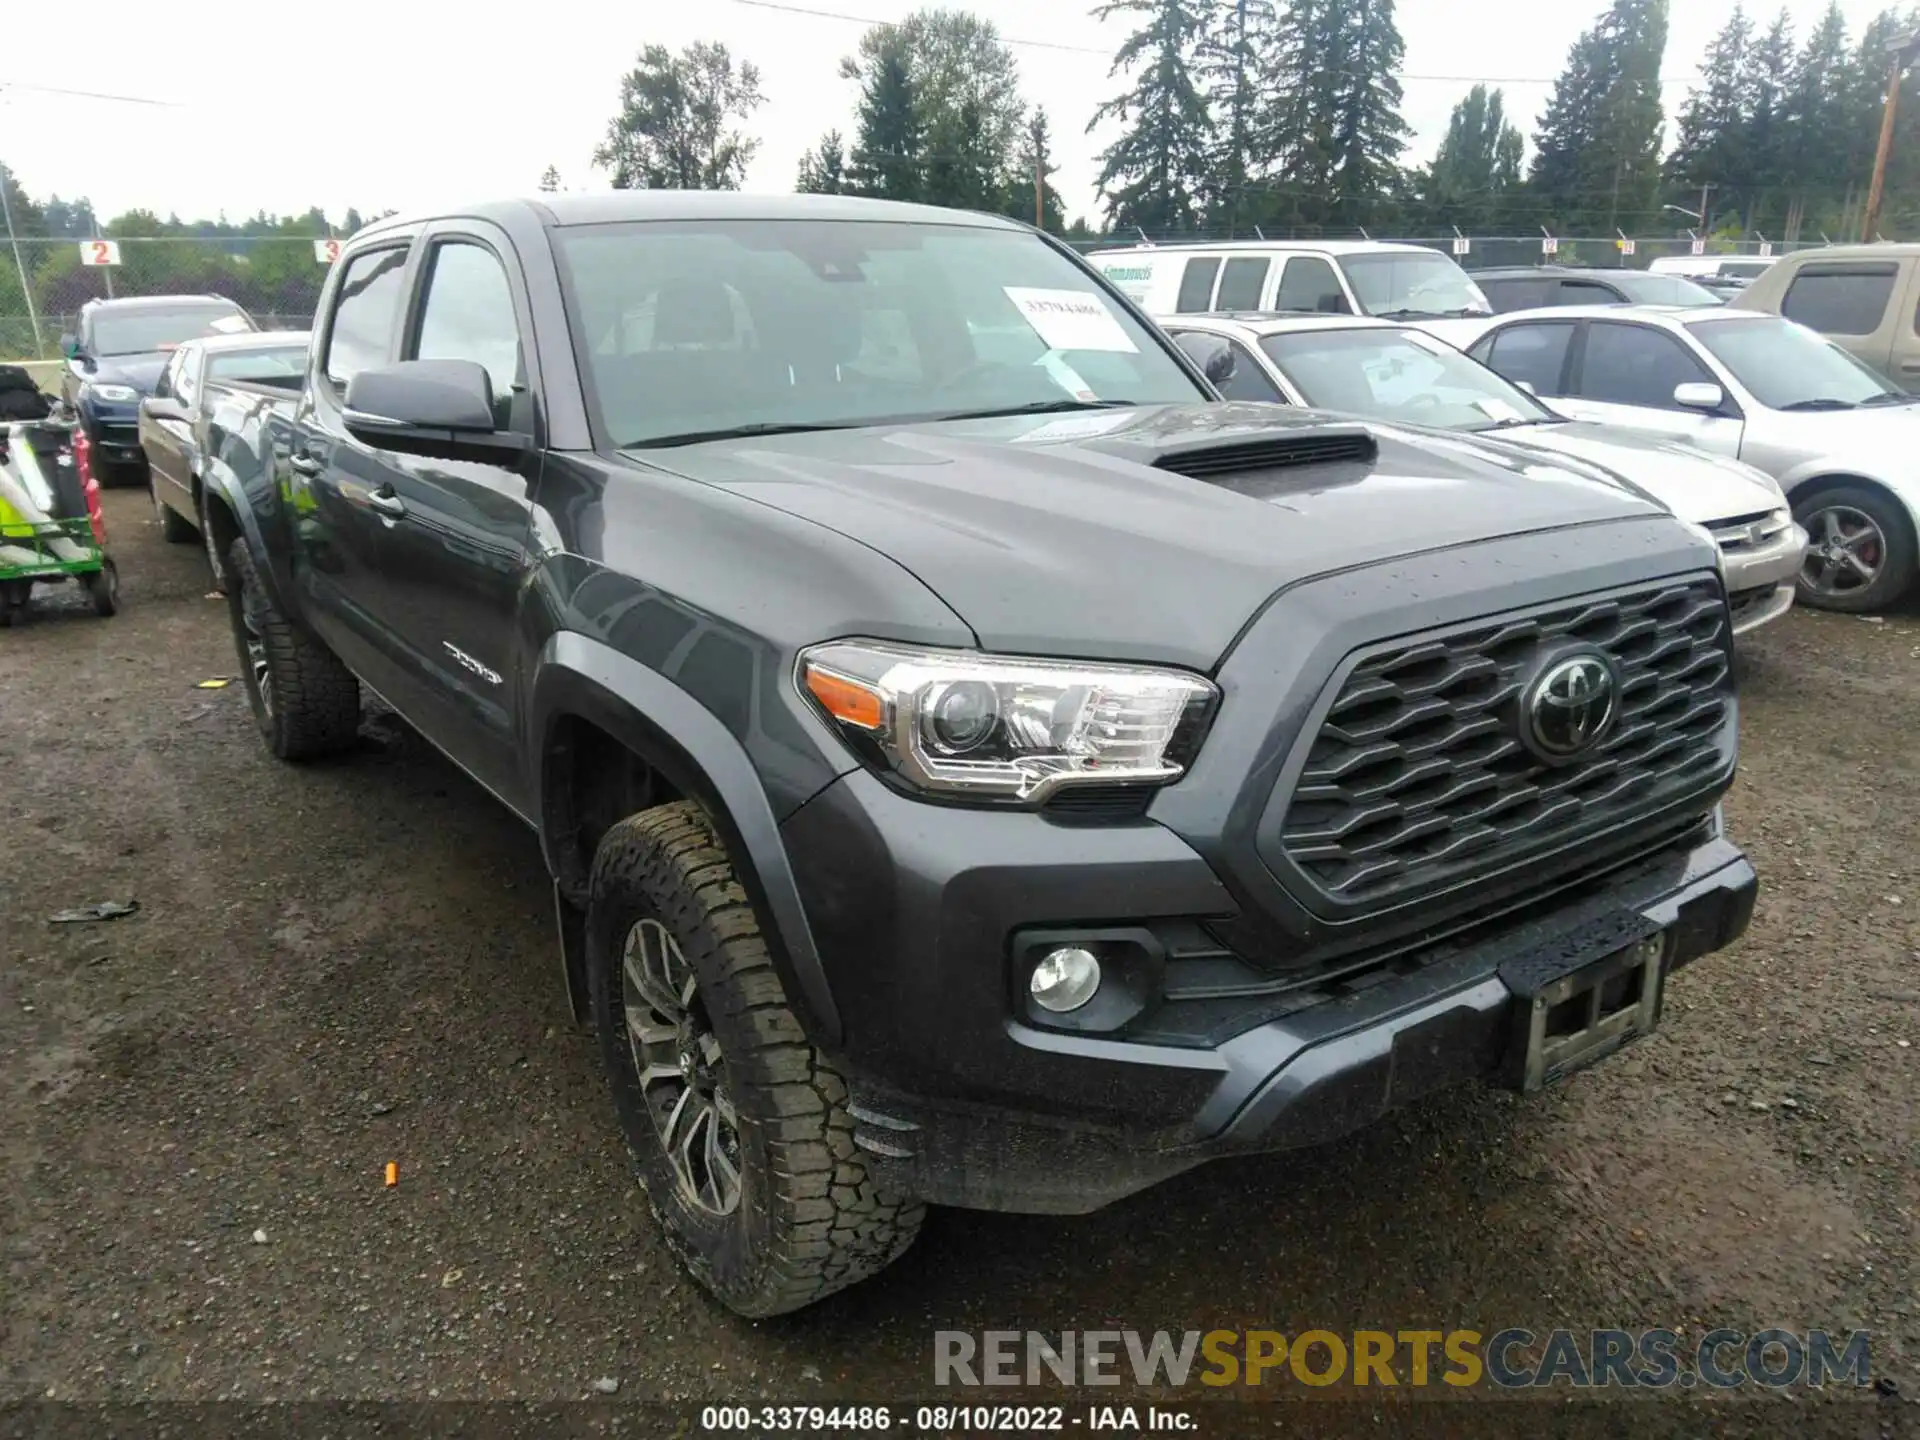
x=393, y=1173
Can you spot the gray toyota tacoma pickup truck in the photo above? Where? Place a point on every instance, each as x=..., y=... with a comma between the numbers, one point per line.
x=976, y=765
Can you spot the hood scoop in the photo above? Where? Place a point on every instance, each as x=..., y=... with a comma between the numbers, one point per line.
x=1323, y=445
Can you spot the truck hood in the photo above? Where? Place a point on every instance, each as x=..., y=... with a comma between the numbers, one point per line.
x=1060, y=535
x=1694, y=485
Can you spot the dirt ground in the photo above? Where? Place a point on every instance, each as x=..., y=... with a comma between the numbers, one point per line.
x=339, y=966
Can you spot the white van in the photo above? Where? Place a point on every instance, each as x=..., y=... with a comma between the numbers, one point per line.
x=1327, y=277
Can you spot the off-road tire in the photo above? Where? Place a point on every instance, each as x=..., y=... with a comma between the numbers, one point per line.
x=309, y=703
x=175, y=528
x=810, y=1220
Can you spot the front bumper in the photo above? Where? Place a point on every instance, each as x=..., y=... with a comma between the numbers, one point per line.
x=114, y=433
x=962, y=1100
x=1761, y=581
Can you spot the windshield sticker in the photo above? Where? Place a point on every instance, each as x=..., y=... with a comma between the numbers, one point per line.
x=230, y=325
x=1070, y=319
x=1065, y=376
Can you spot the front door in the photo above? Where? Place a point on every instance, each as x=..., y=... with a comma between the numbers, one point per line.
x=455, y=534
x=1626, y=374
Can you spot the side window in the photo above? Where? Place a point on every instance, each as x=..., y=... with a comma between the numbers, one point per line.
x=1308, y=283
x=1506, y=295
x=1841, y=299
x=364, y=311
x=186, y=376
x=1533, y=355
x=1249, y=381
x=468, y=315
x=1588, y=292
x=1196, y=285
x=1241, y=283
x=1635, y=365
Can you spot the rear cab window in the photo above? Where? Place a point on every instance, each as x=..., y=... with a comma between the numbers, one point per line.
x=1533, y=355
x=1518, y=294
x=1841, y=299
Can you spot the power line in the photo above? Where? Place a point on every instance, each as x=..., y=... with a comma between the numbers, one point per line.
x=88, y=94
x=1679, y=79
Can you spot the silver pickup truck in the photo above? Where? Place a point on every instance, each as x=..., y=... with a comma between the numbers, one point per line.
x=207, y=386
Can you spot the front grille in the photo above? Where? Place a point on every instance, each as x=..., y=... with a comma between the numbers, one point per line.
x=116, y=434
x=1749, y=532
x=1418, y=774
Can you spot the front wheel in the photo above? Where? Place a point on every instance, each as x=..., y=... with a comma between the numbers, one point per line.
x=738, y=1126
x=1860, y=550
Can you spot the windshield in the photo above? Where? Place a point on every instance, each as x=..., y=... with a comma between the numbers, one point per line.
x=1789, y=366
x=1401, y=376
x=281, y=363
x=1411, y=284
x=144, y=331
x=1652, y=289
x=704, y=328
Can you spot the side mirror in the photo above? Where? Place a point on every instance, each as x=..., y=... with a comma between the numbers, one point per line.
x=1699, y=395
x=70, y=346
x=441, y=408
x=163, y=407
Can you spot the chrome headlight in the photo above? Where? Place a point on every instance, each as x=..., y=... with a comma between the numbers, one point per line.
x=114, y=394
x=1006, y=727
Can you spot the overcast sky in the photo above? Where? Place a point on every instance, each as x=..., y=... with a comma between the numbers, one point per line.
x=407, y=104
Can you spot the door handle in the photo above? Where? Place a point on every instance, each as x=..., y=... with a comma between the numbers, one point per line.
x=386, y=502
x=305, y=464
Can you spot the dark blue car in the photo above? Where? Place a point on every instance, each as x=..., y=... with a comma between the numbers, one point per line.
x=118, y=354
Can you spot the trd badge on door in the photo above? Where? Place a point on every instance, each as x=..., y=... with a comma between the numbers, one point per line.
x=491, y=676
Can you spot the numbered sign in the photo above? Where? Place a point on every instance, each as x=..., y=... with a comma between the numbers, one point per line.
x=99, y=252
x=1626, y=246
x=1549, y=246
x=1462, y=245
x=1699, y=247
x=1766, y=249
x=326, y=251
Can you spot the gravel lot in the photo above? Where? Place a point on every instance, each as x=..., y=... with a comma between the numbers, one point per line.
x=344, y=965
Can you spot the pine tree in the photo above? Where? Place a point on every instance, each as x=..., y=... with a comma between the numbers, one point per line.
x=1767, y=82
x=1712, y=124
x=1036, y=166
x=1233, y=58
x=1368, y=133
x=1151, y=175
x=889, y=149
x=823, y=169
x=550, y=180
x=965, y=172
x=1817, y=148
x=1596, y=161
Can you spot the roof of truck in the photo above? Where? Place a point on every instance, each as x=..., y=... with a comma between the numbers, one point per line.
x=607, y=207
x=1324, y=247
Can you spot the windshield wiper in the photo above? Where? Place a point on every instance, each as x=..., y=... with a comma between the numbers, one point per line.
x=1513, y=422
x=1407, y=315
x=1821, y=403
x=1041, y=407
x=1890, y=397
x=735, y=432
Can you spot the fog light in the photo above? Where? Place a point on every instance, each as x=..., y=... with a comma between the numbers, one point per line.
x=1065, y=979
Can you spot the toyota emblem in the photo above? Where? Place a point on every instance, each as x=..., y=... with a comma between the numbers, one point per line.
x=1570, y=706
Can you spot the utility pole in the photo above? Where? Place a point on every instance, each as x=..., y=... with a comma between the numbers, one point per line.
x=1904, y=53
x=1613, y=207
x=1039, y=191
x=1706, y=218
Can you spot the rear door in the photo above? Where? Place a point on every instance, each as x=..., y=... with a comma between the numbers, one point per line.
x=1623, y=373
x=1855, y=303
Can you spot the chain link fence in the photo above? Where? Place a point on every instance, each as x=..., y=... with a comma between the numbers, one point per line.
x=277, y=278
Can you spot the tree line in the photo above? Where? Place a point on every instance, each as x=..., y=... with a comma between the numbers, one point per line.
x=1236, y=114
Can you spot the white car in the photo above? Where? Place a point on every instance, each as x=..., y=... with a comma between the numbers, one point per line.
x=1327, y=277
x=1399, y=374
x=1841, y=440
